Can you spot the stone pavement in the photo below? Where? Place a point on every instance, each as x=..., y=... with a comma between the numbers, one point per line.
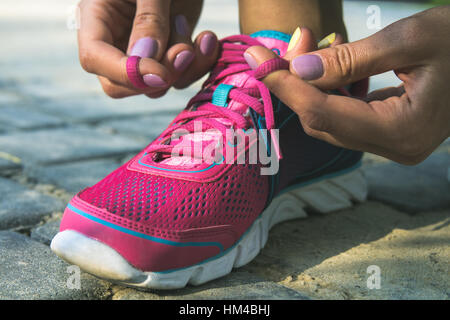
x=59, y=133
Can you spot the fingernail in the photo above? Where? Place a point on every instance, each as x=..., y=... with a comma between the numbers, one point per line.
x=181, y=25
x=207, y=44
x=250, y=60
x=154, y=80
x=182, y=60
x=308, y=67
x=294, y=39
x=328, y=40
x=144, y=48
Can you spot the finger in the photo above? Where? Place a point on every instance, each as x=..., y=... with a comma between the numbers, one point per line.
x=206, y=51
x=157, y=94
x=98, y=54
x=151, y=29
x=282, y=81
x=339, y=40
x=340, y=116
x=110, y=62
x=342, y=64
x=117, y=91
x=180, y=53
x=329, y=40
x=302, y=41
x=348, y=143
x=383, y=94
x=381, y=127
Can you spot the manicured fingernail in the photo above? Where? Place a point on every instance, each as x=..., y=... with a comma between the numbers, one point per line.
x=181, y=25
x=144, y=48
x=182, y=60
x=154, y=80
x=308, y=67
x=250, y=60
x=207, y=44
x=325, y=42
x=294, y=39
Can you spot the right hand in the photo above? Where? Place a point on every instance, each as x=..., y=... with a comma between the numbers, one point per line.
x=157, y=30
x=404, y=123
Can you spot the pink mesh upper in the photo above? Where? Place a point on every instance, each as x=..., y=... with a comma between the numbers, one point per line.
x=168, y=203
x=235, y=198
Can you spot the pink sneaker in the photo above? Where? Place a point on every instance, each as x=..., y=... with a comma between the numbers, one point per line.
x=168, y=218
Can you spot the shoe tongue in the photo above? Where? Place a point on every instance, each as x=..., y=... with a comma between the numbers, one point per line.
x=271, y=39
x=276, y=41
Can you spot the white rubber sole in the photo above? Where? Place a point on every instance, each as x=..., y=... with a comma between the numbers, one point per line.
x=102, y=261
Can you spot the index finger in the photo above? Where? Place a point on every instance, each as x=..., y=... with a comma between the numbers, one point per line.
x=98, y=54
x=340, y=116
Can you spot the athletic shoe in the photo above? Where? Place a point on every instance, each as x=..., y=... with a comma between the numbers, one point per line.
x=169, y=218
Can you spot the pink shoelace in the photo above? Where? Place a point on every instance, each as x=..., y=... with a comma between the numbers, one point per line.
x=230, y=62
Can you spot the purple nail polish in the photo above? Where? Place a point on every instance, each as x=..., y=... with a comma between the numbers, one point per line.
x=182, y=60
x=181, y=25
x=207, y=44
x=250, y=60
x=308, y=67
x=144, y=48
x=153, y=80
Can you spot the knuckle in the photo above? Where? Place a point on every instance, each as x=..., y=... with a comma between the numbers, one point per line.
x=412, y=160
x=308, y=130
x=315, y=121
x=277, y=80
x=86, y=61
x=413, y=152
x=146, y=19
x=343, y=60
x=112, y=92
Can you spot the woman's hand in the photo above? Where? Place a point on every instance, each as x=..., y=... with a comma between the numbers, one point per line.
x=405, y=123
x=159, y=31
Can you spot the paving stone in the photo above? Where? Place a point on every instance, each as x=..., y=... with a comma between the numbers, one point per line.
x=412, y=188
x=9, y=97
x=65, y=144
x=20, y=206
x=26, y=119
x=46, y=232
x=29, y=270
x=148, y=127
x=8, y=166
x=238, y=285
x=73, y=177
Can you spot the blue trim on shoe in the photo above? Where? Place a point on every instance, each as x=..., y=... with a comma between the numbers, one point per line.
x=179, y=170
x=272, y=34
x=220, y=95
x=142, y=235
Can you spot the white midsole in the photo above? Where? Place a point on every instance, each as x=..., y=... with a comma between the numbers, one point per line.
x=101, y=260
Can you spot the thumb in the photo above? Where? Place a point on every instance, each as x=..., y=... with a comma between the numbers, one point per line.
x=294, y=92
x=347, y=63
x=151, y=29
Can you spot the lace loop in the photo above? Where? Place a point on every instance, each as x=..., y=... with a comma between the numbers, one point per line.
x=200, y=107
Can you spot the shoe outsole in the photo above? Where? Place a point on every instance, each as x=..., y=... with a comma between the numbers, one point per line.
x=104, y=262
